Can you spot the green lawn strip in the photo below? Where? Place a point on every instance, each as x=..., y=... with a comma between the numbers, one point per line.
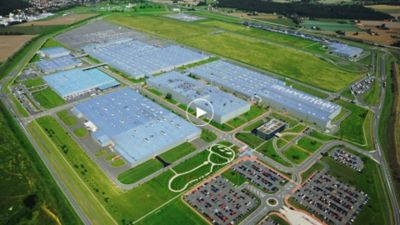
x=288, y=137
x=26, y=185
x=192, y=162
x=81, y=132
x=31, y=30
x=342, y=113
x=154, y=91
x=351, y=127
x=309, y=144
x=347, y=94
x=250, y=139
x=140, y=171
x=52, y=43
x=48, y=98
x=268, y=150
x=178, y=152
x=67, y=117
x=118, y=163
x=254, y=112
x=296, y=129
x=100, y=153
x=34, y=82
x=234, y=177
x=368, y=180
x=321, y=136
x=175, y=212
x=253, y=51
x=372, y=96
x=316, y=167
x=208, y=136
x=278, y=220
x=291, y=122
x=295, y=154
x=254, y=125
x=223, y=127
x=280, y=143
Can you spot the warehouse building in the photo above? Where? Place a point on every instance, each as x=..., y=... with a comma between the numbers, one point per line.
x=57, y=64
x=77, y=82
x=344, y=50
x=271, y=91
x=134, y=126
x=268, y=130
x=185, y=89
x=139, y=59
x=53, y=52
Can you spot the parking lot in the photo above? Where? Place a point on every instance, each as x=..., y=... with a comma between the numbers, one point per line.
x=362, y=86
x=332, y=200
x=347, y=159
x=265, y=178
x=221, y=203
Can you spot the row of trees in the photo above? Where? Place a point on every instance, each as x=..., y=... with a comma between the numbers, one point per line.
x=306, y=10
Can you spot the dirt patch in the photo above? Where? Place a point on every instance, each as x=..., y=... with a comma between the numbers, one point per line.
x=61, y=20
x=393, y=10
x=9, y=44
x=382, y=36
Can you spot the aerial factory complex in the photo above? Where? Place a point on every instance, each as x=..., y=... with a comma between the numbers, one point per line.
x=123, y=113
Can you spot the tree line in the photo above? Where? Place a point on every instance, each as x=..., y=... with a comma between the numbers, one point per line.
x=306, y=10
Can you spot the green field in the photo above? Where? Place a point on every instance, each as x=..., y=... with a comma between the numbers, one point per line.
x=331, y=25
x=67, y=117
x=31, y=29
x=140, y=171
x=208, y=136
x=295, y=154
x=178, y=152
x=251, y=50
x=291, y=122
x=81, y=132
x=254, y=112
x=29, y=195
x=34, y=82
x=48, y=98
x=268, y=150
x=250, y=139
x=234, y=177
x=309, y=144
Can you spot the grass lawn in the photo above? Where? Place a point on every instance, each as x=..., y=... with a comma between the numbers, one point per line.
x=291, y=122
x=81, y=132
x=175, y=212
x=178, y=152
x=250, y=139
x=316, y=167
x=296, y=129
x=140, y=171
x=254, y=112
x=372, y=96
x=268, y=150
x=351, y=128
x=52, y=43
x=254, y=125
x=254, y=51
x=208, y=136
x=118, y=163
x=34, y=82
x=48, y=98
x=309, y=144
x=280, y=143
x=67, y=117
x=154, y=91
x=321, y=136
x=295, y=154
x=331, y=25
x=234, y=177
x=278, y=220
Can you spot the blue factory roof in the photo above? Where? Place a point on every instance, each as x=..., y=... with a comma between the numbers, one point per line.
x=271, y=90
x=345, y=50
x=138, y=127
x=76, y=81
x=55, y=51
x=223, y=103
x=57, y=64
x=138, y=59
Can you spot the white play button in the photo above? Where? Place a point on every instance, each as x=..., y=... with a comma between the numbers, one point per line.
x=200, y=112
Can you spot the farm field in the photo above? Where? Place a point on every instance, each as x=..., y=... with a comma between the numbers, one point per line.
x=9, y=44
x=252, y=51
x=59, y=20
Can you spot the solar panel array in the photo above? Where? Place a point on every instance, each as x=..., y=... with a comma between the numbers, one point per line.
x=138, y=59
x=186, y=89
x=57, y=64
x=345, y=50
x=75, y=82
x=54, y=52
x=272, y=91
x=137, y=127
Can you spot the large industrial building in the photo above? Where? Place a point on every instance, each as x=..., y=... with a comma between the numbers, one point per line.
x=344, y=50
x=138, y=59
x=57, y=64
x=77, y=82
x=54, y=52
x=185, y=90
x=133, y=125
x=271, y=91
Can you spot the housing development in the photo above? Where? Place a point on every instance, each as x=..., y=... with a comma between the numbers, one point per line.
x=178, y=113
